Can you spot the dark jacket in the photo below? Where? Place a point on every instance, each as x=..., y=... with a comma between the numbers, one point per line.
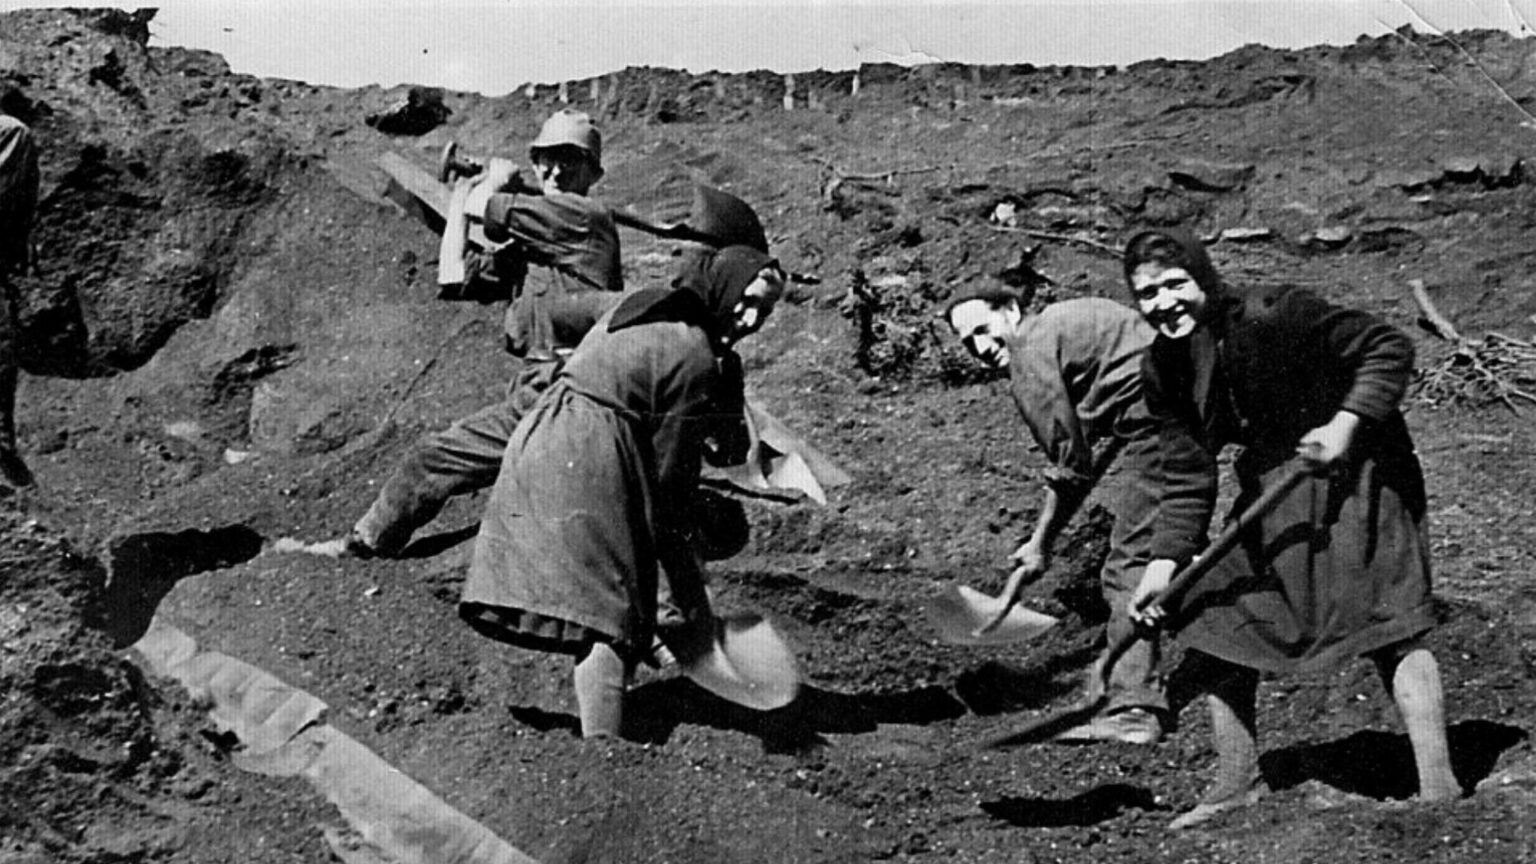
x=1341, y=567
x=1271, y=365
x=560, y=268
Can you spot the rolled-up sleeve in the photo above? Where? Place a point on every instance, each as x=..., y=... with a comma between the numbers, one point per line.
x=1048, y=410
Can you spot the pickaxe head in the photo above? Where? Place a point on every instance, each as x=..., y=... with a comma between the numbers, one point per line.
x=722, y=219
x=452, y=165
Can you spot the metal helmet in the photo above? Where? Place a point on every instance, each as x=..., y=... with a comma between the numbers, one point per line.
x=568, y=127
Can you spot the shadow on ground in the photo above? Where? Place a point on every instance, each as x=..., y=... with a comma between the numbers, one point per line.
x=1380, y=764
x=656, y=709
x=1099, y=804
x=433, y=545
x=143, y=568
x=999, y=688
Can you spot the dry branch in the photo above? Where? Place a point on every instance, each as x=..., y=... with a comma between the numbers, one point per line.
x=1498, y=368
x=1438, y=323
x=872, y=177
x=839, y=176
x=1059, y=238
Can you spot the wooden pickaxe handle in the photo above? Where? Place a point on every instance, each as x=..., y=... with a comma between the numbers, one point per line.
x=453, y=165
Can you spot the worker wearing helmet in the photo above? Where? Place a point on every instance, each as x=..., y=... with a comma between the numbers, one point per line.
x=558, y=265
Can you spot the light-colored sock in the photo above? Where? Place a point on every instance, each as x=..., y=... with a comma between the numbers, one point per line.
x=599, y=681
x=1415, y=686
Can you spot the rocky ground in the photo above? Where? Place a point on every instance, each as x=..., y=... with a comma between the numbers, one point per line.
x=232, y=337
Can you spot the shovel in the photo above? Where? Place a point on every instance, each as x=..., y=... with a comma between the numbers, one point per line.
x=964, y=616
x=1049, y=726
x=742, y=659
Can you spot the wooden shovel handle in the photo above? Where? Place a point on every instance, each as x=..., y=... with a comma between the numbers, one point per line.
x=1296, y=470
x=1101, y=463
x=1044, y=728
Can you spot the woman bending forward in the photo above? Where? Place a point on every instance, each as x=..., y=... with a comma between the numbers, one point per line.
x=595, y=489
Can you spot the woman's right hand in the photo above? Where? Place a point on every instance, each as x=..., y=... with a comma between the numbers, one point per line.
x=1144, y=606
x=1030, y=561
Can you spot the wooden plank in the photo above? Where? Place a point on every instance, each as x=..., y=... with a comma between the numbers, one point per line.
x=420, y=186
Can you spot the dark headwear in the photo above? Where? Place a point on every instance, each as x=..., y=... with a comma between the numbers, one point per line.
x=708, y=285
x=722, y=219
x=1173, y=247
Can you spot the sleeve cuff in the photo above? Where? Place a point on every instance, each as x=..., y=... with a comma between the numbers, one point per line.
x=1371, y=407
x=1066, y=479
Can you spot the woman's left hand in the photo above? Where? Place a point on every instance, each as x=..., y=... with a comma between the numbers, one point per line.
x=1328, y=443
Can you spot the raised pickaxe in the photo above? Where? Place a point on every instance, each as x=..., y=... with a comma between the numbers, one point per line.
x=717, y=218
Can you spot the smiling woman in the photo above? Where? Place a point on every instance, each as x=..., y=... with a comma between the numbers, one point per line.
x=1340, y=568
x=1169, y=297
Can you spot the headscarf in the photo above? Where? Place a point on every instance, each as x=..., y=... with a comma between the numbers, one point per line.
x=1175, y=247
x=704, y=292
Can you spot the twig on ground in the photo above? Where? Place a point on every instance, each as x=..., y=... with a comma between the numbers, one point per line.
x=839, y=176
x=1499, y=368
x=1059, y=238
x=1437, y=322
x=872, y=177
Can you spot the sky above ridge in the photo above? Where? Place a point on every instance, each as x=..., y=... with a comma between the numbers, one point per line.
x=494, y=47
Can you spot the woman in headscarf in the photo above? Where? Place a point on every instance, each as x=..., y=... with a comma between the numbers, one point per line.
x=1340, y=568
x=596, y=487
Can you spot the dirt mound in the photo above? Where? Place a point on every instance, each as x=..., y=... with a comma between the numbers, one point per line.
x=233, y=337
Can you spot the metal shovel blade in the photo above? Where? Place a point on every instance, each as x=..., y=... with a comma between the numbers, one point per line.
x=749, y=664
x=960, y=613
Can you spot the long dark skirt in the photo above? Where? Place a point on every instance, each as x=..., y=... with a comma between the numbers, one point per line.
x=1340, y=568
x=566, y=553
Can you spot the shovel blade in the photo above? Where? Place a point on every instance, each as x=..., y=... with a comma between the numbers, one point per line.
x=959, y=613
x=749, y=664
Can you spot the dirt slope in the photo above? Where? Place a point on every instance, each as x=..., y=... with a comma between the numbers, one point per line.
x=232, y=339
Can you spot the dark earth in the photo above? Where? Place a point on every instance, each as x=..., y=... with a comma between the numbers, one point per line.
x=232, y=338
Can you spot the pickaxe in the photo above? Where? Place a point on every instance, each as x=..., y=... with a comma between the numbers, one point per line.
x=717, y=218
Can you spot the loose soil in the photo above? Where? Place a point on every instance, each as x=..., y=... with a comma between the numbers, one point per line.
x=232, y=338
